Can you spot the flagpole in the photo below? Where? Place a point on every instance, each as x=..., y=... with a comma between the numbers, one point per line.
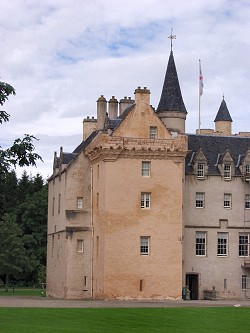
x=200, y=93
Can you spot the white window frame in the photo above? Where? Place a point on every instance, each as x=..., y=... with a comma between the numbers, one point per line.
x=153, y=132
x=227, y=203
x=244, y=244
x=144, y=245
x=247, y=169
x=200, y=200
x=145, y=171
x=79, y=246
x=200, y=170
x=227, y=171
x=247, y=201
x=79, y=202
x=243, y=282
x=200, y=244
x=222, y=244
x=145, y=200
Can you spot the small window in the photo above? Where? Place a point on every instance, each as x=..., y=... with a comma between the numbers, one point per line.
x=53, y=206
x=79, y=203
x=79, y=247
x=244, y=282
x=222, y=244
x=200, y=200
x=243, y=245
x=145, y=169
x=200, y=243
x=200, y=171
x=247, y=201
x=247, y=169
x=153, y=132
x=145, y=200
x=227, y=200
x=59, y=203
x=144, y=245
x=227, y=171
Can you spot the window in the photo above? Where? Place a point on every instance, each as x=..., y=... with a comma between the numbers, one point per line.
x=200, y=243
x=79, y=246
x=244, y=282
x=145, y=169
x=145, y=200
x=222, y=244
x=200, y=200
x=59, y=203
x=144, y=245
x=79, y=203
x=53, y=206
x=247, y=169
x=247, y=201
x=227, y=200
x=153, y=132
x=200, y=171
x=243, y=245
x=227, y=171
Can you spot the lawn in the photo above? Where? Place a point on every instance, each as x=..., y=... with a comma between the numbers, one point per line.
x=146, y=320
x=22, y=292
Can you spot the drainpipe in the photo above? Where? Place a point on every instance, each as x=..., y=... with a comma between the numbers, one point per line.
x=92, y=230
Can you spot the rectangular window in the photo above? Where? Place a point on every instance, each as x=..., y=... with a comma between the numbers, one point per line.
x=200, y=171
x=53, y=206
x=222, y=242
x=247, y=201
x=227, y=171
x=200, y=200
x=79, y=246
x=144, y=245
x=247, y=169
x=59, y=203
x=243, y=245
x=79, y=203
x=153, y=132
x=145, y=200
x=145, y=169
x=200, y=243
x=227, y=200
x=244, y=282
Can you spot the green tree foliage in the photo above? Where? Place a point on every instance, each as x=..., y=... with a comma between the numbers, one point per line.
x=22, y=151
x=14, y=258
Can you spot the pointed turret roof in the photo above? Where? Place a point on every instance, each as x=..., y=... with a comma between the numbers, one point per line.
x=171, y=98
x=223, y=113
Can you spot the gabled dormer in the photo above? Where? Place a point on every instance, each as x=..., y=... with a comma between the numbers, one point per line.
x=245, y=166
x=200, y=165
x=226, y=165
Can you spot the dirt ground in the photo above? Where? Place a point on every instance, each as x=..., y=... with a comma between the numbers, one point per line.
x=20, y=301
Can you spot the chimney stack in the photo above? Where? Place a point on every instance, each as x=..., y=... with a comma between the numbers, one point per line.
x=101, y=112
x=113, y=108
x=125, y=103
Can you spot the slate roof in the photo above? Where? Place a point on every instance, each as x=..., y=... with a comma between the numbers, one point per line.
x=223, y=113
x=68, y=157
x=212, y=146
x=171, y=98
x=84, y=143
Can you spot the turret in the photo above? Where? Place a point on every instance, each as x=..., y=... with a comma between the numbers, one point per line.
x=223, y=120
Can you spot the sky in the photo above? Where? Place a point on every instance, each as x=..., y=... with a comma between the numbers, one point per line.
x=62, y=55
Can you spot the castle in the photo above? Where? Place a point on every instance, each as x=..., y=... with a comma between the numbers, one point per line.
x=140, y=209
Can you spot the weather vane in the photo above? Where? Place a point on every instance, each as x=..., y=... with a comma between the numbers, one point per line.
x=171, y=37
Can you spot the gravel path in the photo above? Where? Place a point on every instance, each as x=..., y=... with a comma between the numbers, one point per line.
x=35, y=302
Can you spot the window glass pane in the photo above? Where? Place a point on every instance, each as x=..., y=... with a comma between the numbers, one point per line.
x=200, y=170
x=227, y=200
x=79, y=203
x=153, y=132
x=222, y=244
x=200, y=200
x=200, y=243
x=145, y=200
x=227, y=171
x=146, y=169
x=144, y=245
x=247, y=201
x=79, y=247
x=243, y=245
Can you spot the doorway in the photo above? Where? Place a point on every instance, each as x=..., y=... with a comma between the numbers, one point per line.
x=192, y=282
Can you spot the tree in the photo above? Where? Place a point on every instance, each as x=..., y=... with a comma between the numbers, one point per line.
x=14, y=257
x=22, y=151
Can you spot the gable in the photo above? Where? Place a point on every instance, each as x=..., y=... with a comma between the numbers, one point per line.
x=138, y=121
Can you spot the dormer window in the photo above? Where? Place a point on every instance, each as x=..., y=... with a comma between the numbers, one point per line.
x=200, y=170
x=227, y=171
x=247, y=169
x=153, y=132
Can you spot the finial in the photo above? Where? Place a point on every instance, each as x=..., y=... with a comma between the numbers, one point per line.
x=171, y=37
x=223, y=96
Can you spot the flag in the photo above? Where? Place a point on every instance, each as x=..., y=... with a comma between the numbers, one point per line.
x=200, y=80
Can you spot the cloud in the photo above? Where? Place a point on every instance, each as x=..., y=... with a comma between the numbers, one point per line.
x=62, y=55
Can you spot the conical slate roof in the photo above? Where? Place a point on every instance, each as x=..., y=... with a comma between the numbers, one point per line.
x=171, y=98
x=223, y=113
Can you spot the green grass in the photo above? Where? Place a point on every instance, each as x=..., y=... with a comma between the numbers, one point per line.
x=22, y=292
x=146, y=320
